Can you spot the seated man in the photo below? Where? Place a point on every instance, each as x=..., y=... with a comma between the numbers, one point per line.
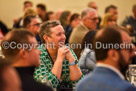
x=89, y=20
x=41, y=11
x=9, y=79
x=130, y=22
x=22, y=51
x=112, y=62
x=32, y=23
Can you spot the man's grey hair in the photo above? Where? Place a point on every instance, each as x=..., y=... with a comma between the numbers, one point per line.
x=85, y=12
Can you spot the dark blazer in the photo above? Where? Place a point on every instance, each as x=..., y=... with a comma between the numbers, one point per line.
x=104, y=79
x=28, y=82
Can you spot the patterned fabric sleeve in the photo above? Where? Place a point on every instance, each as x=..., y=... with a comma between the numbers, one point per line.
x=43, y=75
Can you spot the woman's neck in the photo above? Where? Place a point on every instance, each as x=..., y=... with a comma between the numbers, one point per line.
x=52, y=53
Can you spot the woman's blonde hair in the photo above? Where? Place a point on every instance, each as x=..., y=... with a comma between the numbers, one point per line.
x=108, y=17
x=46, y=28
x=29, y=11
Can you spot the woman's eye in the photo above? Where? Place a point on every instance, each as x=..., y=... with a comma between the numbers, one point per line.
x=59, y=34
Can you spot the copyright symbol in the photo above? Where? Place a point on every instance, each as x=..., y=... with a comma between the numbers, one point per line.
x=5, y=45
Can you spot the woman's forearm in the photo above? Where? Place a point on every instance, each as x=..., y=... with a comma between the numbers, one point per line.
x=57, y=68
x=75, y=72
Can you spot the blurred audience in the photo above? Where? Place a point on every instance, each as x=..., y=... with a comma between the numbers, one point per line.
x=3, y=30
x=27, y=4
x=65, y=18
x=94, y=6
x=74, y=22
x=58, y=14
x=108, y=20
x=130, y=22
x=87, y=60
x=41, y=11
x=89, y=19
x=29, y=11
x=50, y=16
x=32, y=23
x=112, y=9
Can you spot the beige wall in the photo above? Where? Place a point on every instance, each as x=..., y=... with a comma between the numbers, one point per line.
x=11, y=9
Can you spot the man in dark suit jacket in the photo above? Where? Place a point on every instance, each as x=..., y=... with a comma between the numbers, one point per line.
x=112, y=62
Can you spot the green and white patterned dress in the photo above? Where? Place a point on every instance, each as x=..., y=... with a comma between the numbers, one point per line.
x=44, y=71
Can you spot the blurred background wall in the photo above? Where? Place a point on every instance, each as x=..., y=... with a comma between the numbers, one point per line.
x=11, y=9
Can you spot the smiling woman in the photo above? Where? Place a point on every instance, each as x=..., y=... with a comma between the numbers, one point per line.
x=58, y=64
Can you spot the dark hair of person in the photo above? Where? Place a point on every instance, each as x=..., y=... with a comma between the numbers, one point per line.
x=47, y=15
x=41, y=6
x=73, y=17
x=27, y=20
x=109, y=35
x=110, y=7
x=63, y=18
x=28, y=2
x=16, y=36
x=88, y=40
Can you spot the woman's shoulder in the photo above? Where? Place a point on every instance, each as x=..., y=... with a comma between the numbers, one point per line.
x=43, y=50
x=86, y=53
